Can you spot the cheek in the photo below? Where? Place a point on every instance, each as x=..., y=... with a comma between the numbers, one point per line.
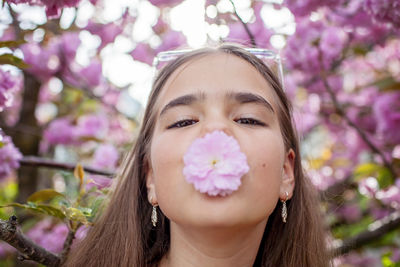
x=266, y=167
x=167, y=164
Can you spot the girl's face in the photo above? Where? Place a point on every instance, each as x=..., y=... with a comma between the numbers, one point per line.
x=218, y=92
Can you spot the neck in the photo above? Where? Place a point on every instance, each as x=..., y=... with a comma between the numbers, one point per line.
x=213, y=247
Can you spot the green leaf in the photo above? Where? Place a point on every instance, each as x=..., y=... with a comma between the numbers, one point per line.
x=42, y=208
x=347, y=230
x=51, y=210
x=75, y=214
x=11, y=43
x=384, y=178
x=365, y=170
x=387, y=261
x=86, y=211
x=96, y=206
x=12, y=60
x=382, y=174
x=8, y=192
x=44, y=195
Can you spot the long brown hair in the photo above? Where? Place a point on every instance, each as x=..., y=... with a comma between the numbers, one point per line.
x=123, y=234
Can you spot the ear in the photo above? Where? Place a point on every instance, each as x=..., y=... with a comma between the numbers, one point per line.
x=288, y=180
x=151, y=188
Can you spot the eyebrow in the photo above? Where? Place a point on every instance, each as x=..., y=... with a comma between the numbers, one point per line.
x=242, y=98
x=184, y=100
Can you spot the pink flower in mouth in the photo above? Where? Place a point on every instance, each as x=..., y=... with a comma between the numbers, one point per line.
x=214, y=164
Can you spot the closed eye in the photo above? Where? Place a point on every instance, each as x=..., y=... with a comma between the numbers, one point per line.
x=250, y=121
x=182, y=123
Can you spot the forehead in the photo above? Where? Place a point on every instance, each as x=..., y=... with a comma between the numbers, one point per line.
x=215, y=74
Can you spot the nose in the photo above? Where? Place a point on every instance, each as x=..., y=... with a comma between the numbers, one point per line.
x=217, y=122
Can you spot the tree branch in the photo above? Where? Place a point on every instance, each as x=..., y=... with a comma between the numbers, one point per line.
x=249, y=33
x=68, y=243
x=42, y=162
x=11, y=233
x=375, y=230
x=361, y=133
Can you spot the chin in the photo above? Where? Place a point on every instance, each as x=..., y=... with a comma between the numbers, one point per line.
x=223, y=212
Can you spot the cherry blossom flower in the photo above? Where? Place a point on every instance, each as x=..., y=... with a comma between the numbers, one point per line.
x=9, y=84
x=214, y=164
x=69, y=44
x=387, y=114
x=350, y=213
x=60, y=131
x=106, y=32
x=92, y=73
x=92, y=125
x=99, y=182
x=43, y=62
x=53, y=7
x=305, y=7
x=9, y=156
x=5, y=249
x=171, y=40
x=48, y=235
x=105, y=157
x=164, y=2
x=143, y=53
x=386, y=11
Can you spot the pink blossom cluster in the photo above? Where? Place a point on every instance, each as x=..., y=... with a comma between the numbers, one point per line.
x=261, y=33
x=143, y=53
x=214, y=164
x=302, y=8
x=48, y=235
x=9, y=156
x=53, y=7
x=386, y=11
x=5, y=249
x=105, y=157
x=51, y=236
x=107, y=32
x=390, y=196
x=387, y=114
x=65, y=131
x=45, y=61
x=161, y=3
x=354, y=11
x=58, y=58
x=98, y=181
x=320, y=46
x=9, y=85
x=171, y=40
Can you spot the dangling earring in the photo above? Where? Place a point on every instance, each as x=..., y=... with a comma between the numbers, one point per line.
x=154, y=216
x=153, y=213
x=284, y=208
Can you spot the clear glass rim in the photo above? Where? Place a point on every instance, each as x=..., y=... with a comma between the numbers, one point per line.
x=260, y=53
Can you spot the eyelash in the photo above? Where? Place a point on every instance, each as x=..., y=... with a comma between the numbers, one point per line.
x=251, y=121
x=182, y=123
x=188, y=122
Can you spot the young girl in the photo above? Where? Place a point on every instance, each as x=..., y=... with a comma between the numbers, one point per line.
x=157, y=216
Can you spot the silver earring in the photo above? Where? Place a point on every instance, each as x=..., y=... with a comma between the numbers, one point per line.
x=154, y=216
x=284, y=208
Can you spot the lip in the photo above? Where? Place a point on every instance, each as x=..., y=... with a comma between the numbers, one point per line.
x=214, y=198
